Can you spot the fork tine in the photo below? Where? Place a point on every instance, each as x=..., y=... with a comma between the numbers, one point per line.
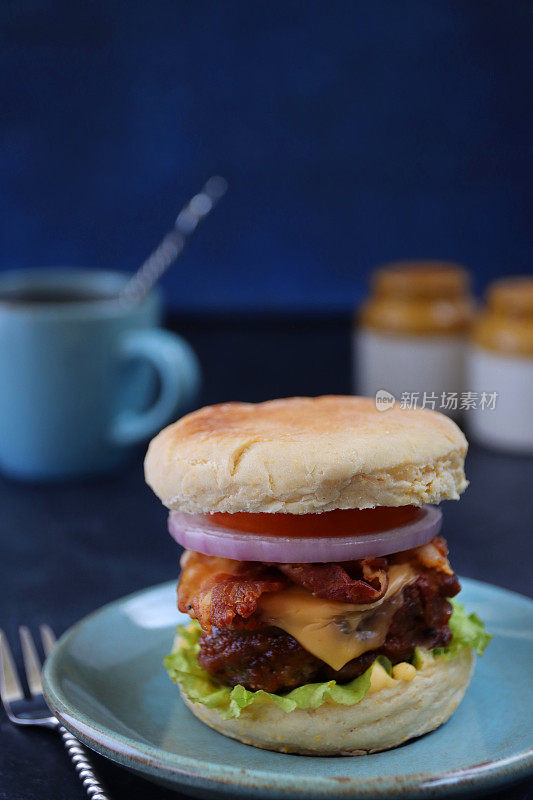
x=48, y=638
x=32, y=663
x=10, y=687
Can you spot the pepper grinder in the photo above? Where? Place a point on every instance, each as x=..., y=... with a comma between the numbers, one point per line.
x=410, y=335
x=500, y=368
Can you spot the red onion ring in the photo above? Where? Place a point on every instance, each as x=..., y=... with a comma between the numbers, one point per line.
x=196, y=532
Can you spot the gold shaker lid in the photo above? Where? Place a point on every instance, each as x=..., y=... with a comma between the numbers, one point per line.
x=419, y=298
x=432, y=279
x=505, y=325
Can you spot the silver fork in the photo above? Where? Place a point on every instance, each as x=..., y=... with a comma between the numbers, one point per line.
x=34, y=711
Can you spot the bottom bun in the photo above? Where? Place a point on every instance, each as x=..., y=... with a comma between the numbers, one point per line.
x=381, y=720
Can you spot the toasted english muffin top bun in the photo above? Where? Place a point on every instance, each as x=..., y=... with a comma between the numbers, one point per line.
x=305, y=455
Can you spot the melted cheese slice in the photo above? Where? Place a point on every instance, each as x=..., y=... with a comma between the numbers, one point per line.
x=332, y=631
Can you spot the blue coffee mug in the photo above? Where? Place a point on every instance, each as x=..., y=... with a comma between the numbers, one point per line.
x=77, y=373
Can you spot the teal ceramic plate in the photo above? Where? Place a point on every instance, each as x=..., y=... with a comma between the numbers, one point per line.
x=106, y=683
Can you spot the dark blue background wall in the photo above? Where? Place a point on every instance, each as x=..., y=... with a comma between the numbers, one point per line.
x=350, y=132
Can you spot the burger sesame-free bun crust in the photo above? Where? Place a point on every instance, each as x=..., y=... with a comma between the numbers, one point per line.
x=389, y=717
x=303, y=455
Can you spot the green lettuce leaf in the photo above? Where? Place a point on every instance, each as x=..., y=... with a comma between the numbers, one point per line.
x=183, y=667
x=467, y=631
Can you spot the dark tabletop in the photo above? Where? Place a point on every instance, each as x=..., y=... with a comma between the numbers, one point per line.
x=67, y=549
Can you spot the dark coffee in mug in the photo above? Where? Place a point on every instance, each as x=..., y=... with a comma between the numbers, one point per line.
x=51, y=296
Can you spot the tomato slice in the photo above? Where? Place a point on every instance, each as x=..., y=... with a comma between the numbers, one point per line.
x=352, y=521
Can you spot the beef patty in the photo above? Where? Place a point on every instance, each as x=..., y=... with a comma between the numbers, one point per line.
x=273, y=660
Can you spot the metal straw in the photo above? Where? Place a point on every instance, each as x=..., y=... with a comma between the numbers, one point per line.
x=171, y=247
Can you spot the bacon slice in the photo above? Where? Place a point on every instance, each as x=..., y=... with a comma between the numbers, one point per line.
x=222, y=593
x=364, y=581
x=433, y=555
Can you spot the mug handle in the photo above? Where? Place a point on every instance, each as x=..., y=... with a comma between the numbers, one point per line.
x=179, y=373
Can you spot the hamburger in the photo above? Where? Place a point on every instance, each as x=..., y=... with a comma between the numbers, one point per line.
x=321, y=597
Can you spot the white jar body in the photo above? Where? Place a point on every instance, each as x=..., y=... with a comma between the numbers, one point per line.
x=401, y=364
x=509, y=425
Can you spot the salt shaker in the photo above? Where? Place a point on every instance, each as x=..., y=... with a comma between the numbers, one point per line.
x=410, y=335
x=500, y=368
